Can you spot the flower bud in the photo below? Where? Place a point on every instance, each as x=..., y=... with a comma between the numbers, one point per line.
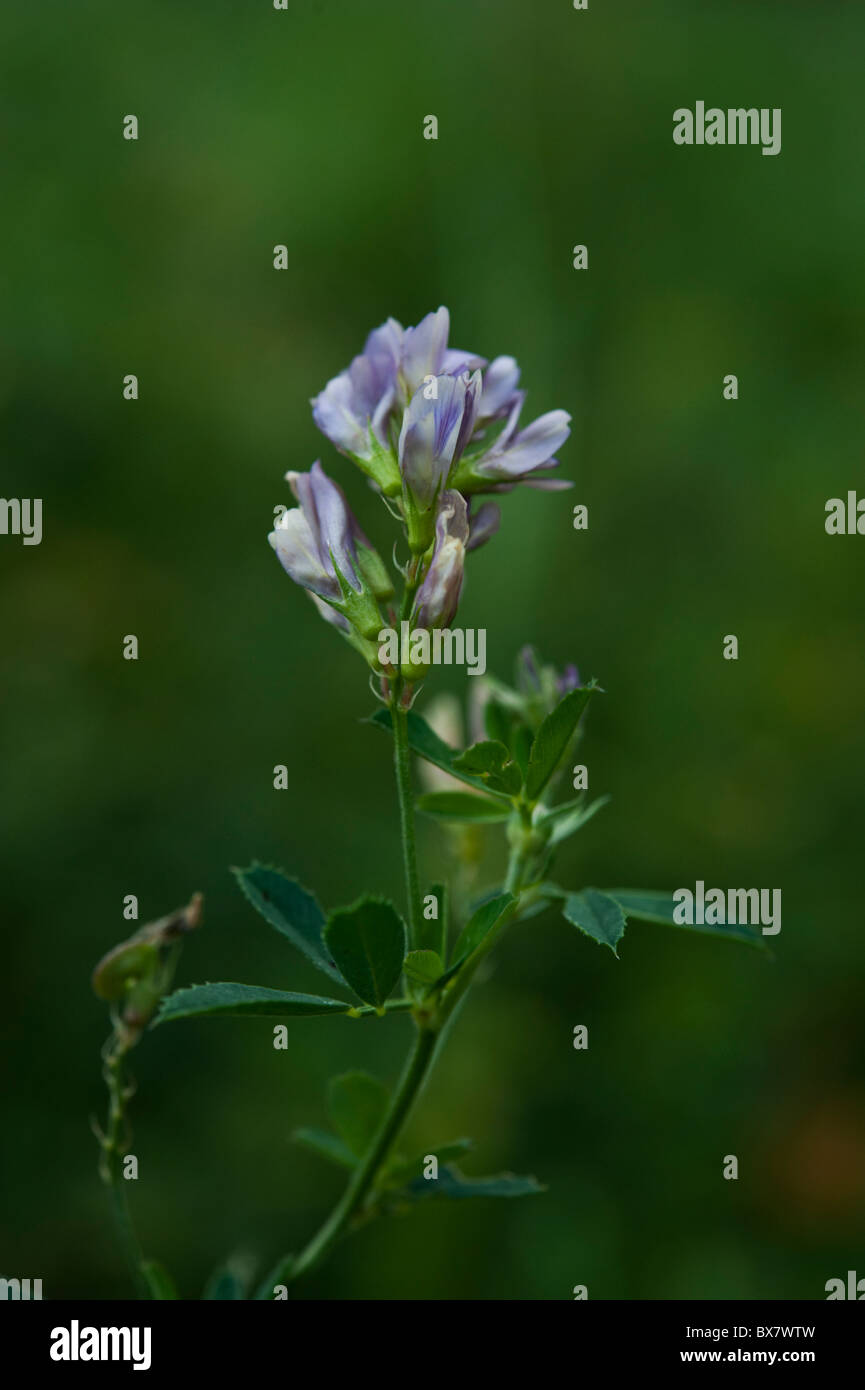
x=435, y=429
x=136, y=973
x=438, y=596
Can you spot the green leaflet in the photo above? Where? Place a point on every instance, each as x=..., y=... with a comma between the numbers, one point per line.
x=229, y=998
x=367, y=941
x=567, y=819
x=599, y=916
x=326, y=1145
x=427, y=744
x=357, y=1103
x=454, y=1184
x=482, y=921
x=288, y=907
x=421, y=970
x=491, y=761
x=646, y=905
x=553, y=737
x=463, y=806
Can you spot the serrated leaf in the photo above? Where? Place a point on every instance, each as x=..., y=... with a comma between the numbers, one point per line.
x=646, y=905
x=426, y=744
x=367, y=941
x=566, y=820
x=357, y=1103
x=326, y=1145
x=230, y=998
x=455, y=1185
x=293, y=911
x=482, y=921
x=401, y=1171
x=159, y=1281
x=462, y=806
x=599, y=916
x=553, y=737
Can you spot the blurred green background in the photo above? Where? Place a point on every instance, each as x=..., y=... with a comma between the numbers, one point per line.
x=260, y=127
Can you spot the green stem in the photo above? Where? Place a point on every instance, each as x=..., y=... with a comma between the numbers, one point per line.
x=517, y=863
x=402, y=766
x=415, y=1073
x=113, y=1143
x=363, y=1178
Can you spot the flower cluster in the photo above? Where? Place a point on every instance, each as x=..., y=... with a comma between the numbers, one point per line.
x=433, y=428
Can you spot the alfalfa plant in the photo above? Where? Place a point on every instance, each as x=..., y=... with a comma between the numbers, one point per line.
x=435, y=430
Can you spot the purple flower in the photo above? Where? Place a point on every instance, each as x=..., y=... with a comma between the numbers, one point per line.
x=354, y=409
x=435, y=429
x=358, y=410
x=514, y=455
x=438, y=596
x=321, y=546
x=500, y=388
x=425, y=353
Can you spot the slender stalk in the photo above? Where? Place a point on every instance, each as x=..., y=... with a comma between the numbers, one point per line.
x=363, y=1178
x=461, y=984
x=402, y=767
x=112, y=1144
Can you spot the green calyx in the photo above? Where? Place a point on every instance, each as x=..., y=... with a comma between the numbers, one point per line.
x=381, y=466
x=361, y=608
x=374, y=573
